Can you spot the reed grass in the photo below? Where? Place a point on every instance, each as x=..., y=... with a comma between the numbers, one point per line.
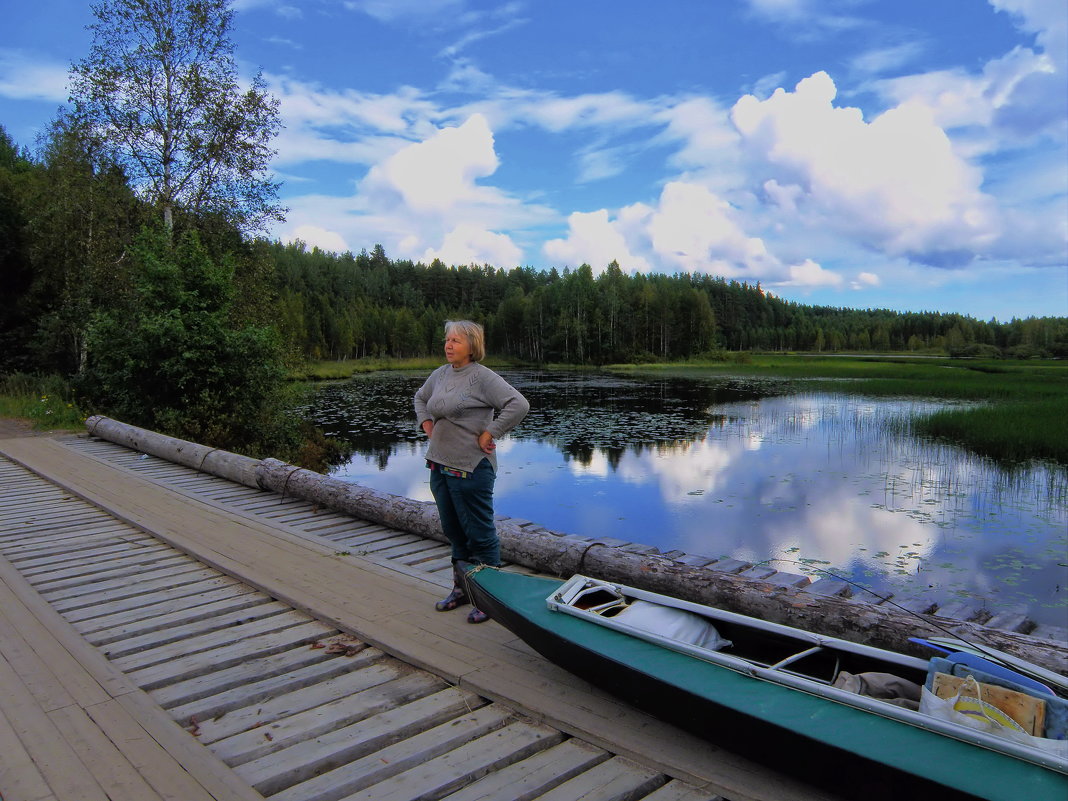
x=1019, y=409
x=1007, y=431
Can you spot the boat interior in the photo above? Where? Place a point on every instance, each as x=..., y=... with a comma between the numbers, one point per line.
x=770, y=646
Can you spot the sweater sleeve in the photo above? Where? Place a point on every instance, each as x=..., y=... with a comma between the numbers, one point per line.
x=512, y=406
x=422, y=398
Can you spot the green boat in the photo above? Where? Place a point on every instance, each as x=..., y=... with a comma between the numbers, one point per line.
x=776, y=694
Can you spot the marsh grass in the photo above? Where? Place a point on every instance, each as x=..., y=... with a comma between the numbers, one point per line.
x=1011, y=411
x=1006, y=431
x=46, y=401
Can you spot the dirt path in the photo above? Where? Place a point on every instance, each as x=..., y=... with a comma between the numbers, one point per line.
x=11, y=427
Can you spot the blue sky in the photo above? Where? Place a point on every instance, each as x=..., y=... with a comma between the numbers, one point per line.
x=860, y=153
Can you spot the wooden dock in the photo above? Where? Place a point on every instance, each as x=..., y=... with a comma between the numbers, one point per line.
x=167, y=634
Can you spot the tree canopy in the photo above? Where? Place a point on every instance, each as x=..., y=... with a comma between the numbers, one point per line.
x=159, y=91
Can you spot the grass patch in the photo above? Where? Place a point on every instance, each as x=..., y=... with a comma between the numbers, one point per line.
x=45, y=400
x=1006, y=431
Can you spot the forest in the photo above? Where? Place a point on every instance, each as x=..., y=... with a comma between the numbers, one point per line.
x=68, y=227
x=138, y=280
x=367, y=305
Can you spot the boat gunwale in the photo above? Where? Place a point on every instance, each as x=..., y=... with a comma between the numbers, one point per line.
x=556, y=602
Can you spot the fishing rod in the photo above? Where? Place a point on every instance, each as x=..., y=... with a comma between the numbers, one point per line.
x=1035, y=671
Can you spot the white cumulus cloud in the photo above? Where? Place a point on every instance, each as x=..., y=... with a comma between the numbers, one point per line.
x=435, y=175
x=896, y=183
x=470, y=244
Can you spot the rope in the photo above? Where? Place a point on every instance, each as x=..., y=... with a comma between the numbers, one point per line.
x=204, y=458
x=586, y=550
x=285, y=484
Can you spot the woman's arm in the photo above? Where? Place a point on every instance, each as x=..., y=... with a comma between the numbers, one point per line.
x=422, y=397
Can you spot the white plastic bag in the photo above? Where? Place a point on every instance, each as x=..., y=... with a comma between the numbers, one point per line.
x=968, y=709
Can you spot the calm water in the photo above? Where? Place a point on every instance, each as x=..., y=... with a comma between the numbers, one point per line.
x=747, y=469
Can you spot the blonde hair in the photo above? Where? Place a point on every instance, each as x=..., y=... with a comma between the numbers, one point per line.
x=476, y=337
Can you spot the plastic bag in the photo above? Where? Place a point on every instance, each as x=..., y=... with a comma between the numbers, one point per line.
x=967, y=708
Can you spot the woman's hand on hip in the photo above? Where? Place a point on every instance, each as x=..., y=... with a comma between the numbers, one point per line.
x=428, y=428
x=486, y=443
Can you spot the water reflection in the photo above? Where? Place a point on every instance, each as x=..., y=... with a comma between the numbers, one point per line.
x=743, y=469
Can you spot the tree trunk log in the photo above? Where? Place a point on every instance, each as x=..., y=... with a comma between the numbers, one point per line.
x=883, y=626
x=231, y=466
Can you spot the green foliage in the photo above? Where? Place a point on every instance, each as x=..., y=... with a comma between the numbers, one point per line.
x=46, y=400
x=173, y=361
x=159, y=89
x=368, y=306
x=1012, y=431
x=16, y=318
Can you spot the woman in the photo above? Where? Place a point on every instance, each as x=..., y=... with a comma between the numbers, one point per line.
x=455, y=409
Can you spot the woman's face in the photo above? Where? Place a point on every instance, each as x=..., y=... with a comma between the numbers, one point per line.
x=457, y=349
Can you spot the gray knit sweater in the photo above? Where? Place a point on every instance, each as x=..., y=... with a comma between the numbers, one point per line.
x=462, y=402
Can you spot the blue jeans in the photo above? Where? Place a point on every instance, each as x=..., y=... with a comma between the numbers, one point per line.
x=465, y=507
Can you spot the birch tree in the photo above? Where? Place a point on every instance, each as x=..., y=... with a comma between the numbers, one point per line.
x=160, y=89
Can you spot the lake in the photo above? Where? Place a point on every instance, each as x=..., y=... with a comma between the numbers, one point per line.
x=760, y=470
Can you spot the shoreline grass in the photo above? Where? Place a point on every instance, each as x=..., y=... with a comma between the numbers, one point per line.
x=1022, y=410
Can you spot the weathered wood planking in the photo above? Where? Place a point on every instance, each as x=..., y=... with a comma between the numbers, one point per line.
x=65, y=733
x=393, y=603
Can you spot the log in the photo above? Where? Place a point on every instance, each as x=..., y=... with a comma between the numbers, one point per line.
x=545, y=551
x=217, y=462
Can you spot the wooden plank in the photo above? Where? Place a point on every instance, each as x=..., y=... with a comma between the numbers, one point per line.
x=189, y=692
x=218, y=779
x=82, y=671
x=535, y=775
x=20, y=779
x=134, y=615
x=223, y=615
x=617, y=779
x=59, y=765
x=119, y=571
x=270, y=710
x=170, y=777
x=313, y=723
x=463, y=765
x=77, y=551
x=80, y=598
x=675, y=790
x=186, y=667
x=300, y=762
x=260, y=687
x=74, y=543
x=75, y=564
x=206, y=642
x=384, y=763
x=25, y=670
x=118, y=779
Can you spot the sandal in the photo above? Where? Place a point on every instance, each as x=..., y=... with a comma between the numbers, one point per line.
x=454, y=599
x=477, y=616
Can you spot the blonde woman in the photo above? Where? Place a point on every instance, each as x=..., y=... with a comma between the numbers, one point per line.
x=463, y=408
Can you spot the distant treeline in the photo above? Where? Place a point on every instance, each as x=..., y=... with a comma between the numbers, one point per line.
x=368, y=305
x=73, y=271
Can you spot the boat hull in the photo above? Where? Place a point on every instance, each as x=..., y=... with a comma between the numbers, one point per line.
x=850, y=752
